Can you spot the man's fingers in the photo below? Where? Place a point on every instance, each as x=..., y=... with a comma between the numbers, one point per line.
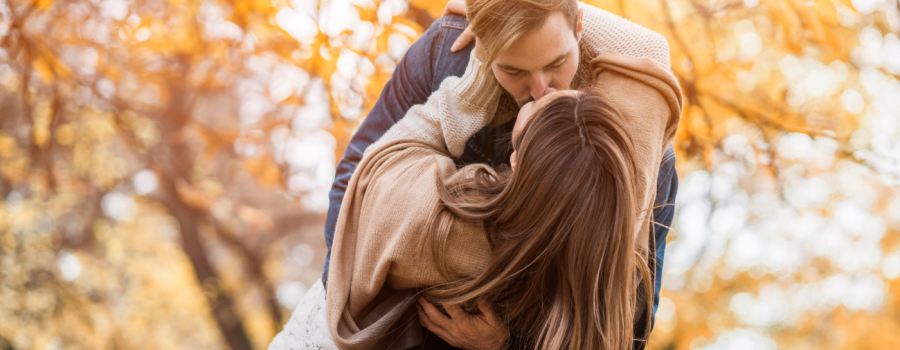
x=455, y=8
x=428, y=322
x=434, y=315
x=455, y=312
x=425, y=320
x=489, y=314
x=459, y=8
x=464, y=39
x=431, y=326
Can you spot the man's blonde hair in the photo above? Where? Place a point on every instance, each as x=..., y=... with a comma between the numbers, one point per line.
x=499, y=23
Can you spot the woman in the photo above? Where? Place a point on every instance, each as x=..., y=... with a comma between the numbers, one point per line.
x=557, y=245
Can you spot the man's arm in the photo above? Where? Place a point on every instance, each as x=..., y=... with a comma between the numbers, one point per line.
x=412, y=82
x=663, y=213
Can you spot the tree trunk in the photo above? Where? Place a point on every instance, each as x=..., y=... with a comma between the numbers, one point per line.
x=176, y=161
x=220, y=303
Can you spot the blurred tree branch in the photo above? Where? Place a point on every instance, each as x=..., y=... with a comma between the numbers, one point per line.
x=420, y=16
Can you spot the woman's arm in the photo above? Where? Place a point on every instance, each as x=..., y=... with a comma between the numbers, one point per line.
x=410, y=84
x=457, y=110
x=648, y=97
x=375, y=264
x=605, y=31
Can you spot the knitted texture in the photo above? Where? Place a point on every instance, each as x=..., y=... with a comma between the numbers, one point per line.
x=460, y=107
x=386, y=208
x=604, y=31
x=375, y=257
x=308, y=328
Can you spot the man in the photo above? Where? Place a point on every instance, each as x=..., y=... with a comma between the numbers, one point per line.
x=551, y=57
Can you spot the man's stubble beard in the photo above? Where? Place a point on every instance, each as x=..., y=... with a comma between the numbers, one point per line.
x=523, y=102
x=519, y=104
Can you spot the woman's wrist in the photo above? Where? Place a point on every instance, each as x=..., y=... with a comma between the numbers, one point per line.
x=478, y=86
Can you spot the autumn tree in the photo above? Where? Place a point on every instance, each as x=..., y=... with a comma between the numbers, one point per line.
x=156, y=167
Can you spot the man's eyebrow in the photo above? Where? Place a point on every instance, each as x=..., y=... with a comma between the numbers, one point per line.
x=555, y=62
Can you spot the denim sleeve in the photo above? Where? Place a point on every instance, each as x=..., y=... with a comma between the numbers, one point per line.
x=664, y=212
x=409, y=85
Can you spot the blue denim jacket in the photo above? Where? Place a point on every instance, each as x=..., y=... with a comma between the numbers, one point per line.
x=420, y=73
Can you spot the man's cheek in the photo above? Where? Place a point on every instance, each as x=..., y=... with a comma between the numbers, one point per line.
x=565, y=77
x=518, y=90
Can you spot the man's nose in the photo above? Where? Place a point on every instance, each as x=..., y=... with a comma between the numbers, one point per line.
x=539, y=86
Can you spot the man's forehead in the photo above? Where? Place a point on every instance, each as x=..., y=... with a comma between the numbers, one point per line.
x=534, y=62
x=555, y=39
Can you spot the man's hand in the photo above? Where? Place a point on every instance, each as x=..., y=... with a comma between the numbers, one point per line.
x=459, y=8
x=463, y=330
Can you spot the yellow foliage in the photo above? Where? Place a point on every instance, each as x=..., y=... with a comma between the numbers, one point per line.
x=65, y=135
x=192, y=196
x=7, y=146
x=143, y=128
x=44, y=71
x=42, y=4
x=42, y=118
x=612, y=6
x=434, y=8
x=266, y=173
x=256, y=218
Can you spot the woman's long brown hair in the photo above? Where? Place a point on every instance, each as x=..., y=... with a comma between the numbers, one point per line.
x=565, y=273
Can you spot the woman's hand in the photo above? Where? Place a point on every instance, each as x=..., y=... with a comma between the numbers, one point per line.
x=459, y=8
x=462, y=330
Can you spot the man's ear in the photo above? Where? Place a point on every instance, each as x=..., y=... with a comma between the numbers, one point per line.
x=579, y=25
x=479, y=50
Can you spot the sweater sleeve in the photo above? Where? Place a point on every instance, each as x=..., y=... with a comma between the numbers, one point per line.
x=604, y=31
x=645, y=92
x=648, y=98
x=457, y=110
x=376, y=264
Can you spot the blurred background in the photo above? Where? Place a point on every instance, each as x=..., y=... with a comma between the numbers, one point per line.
x=164, y=166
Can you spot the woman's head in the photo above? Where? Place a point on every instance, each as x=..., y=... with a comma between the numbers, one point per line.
x=530, y=109
x=564, y=270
